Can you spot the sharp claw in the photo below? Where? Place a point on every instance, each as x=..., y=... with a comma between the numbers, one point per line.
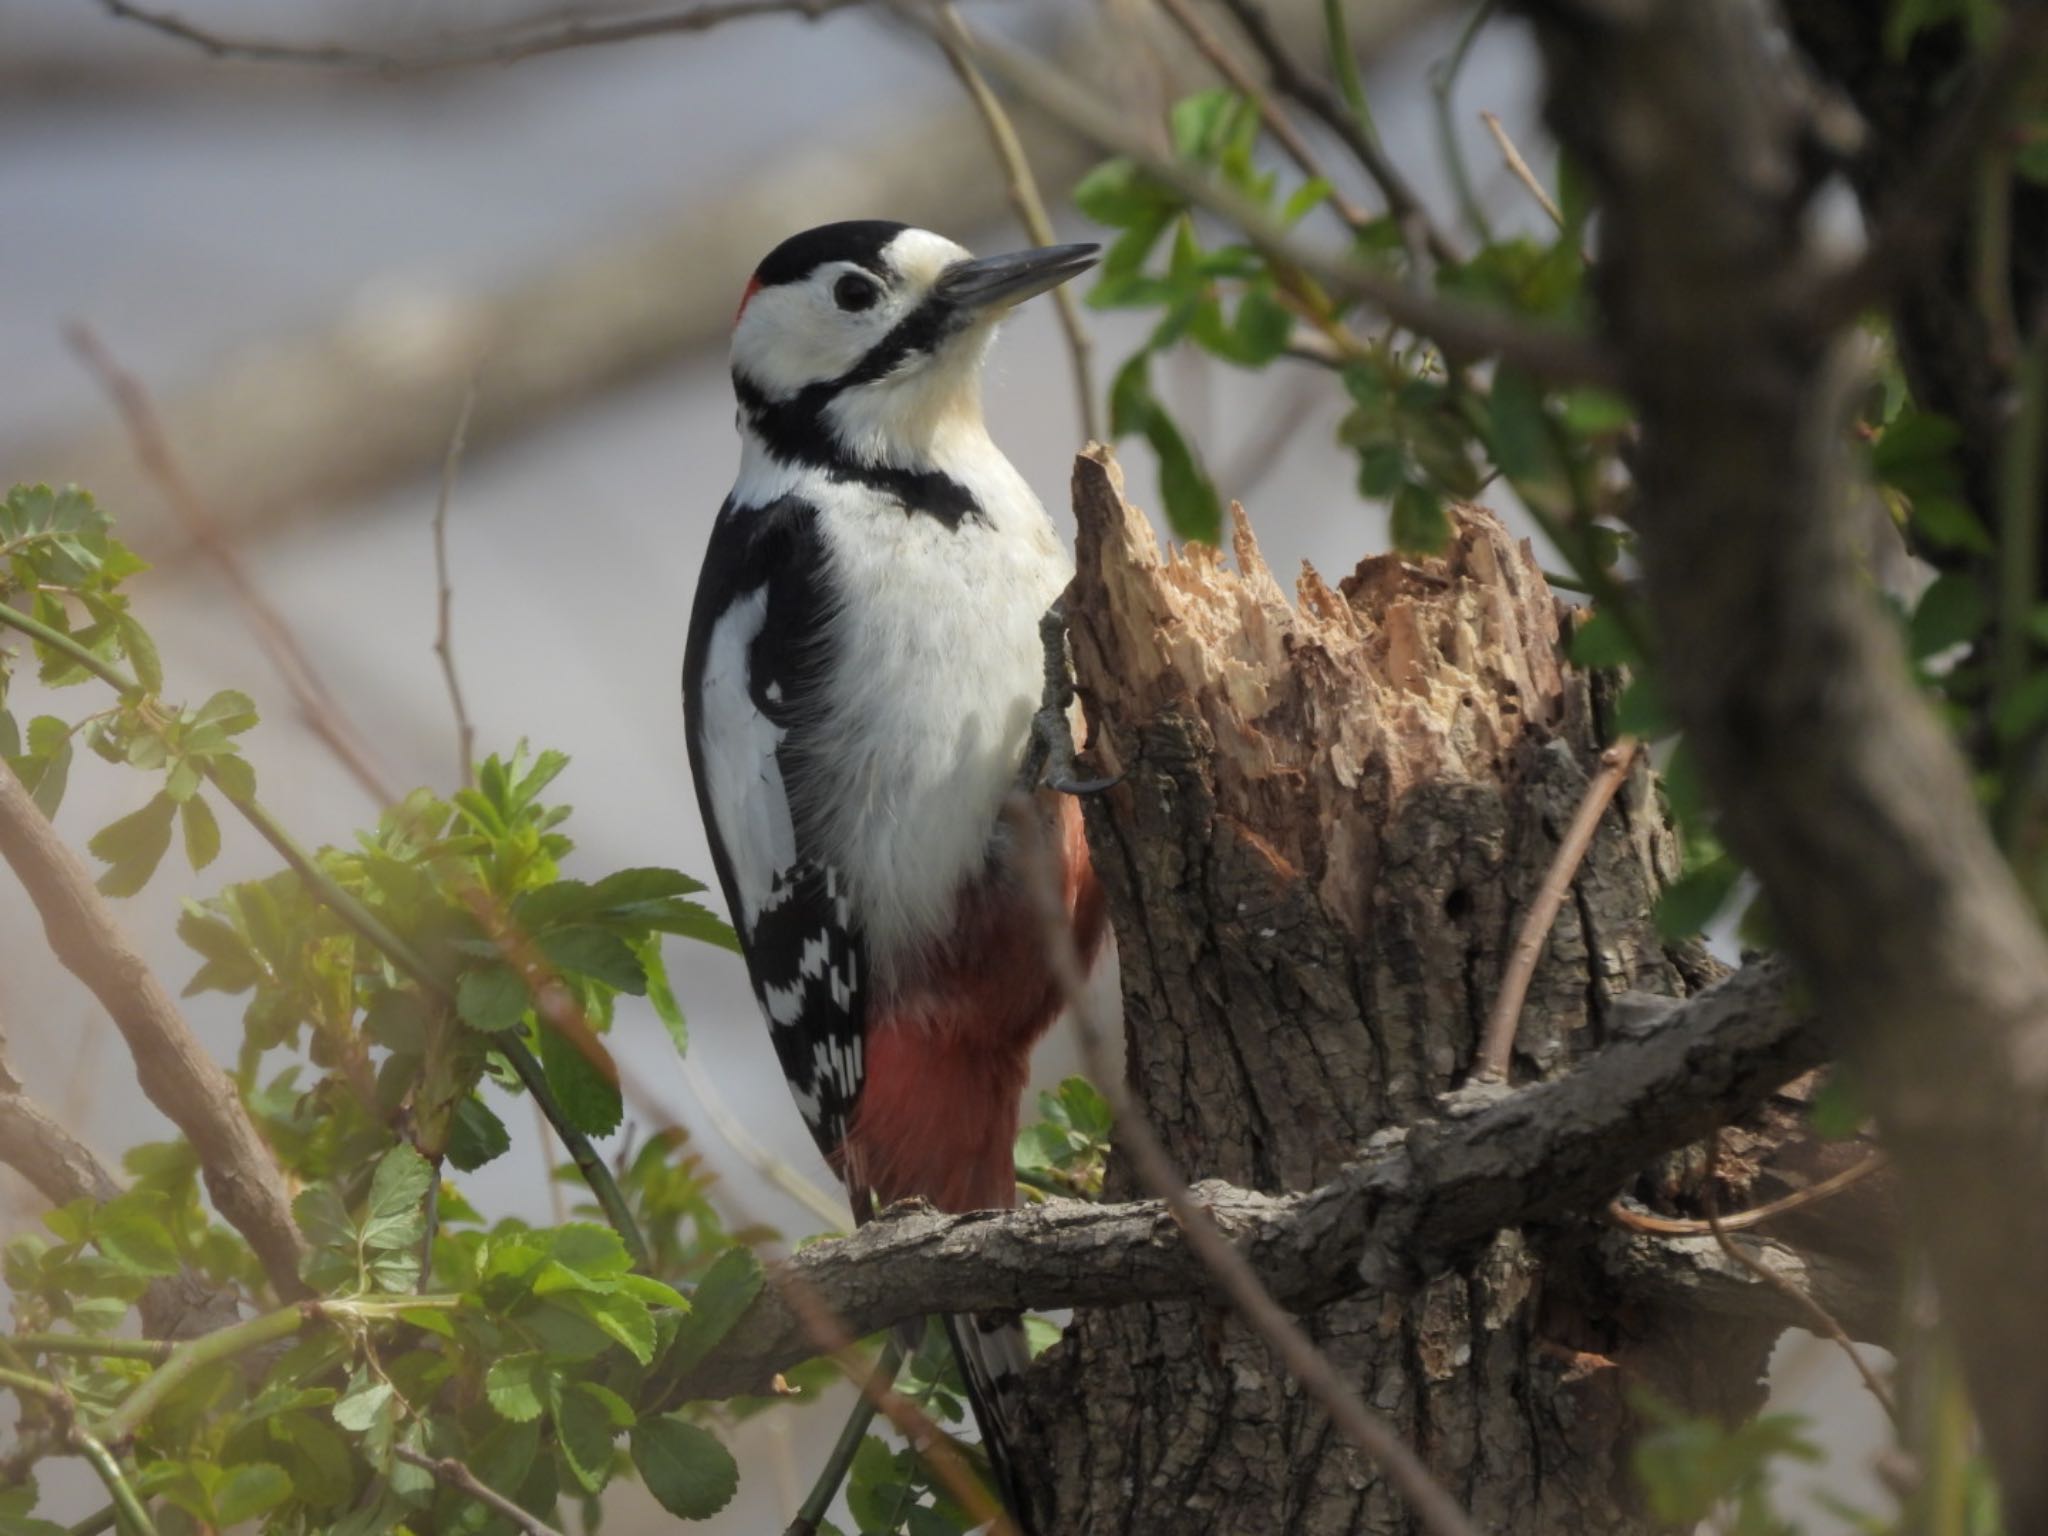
x=1067, y=786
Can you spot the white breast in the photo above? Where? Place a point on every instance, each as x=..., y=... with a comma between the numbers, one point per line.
x=938, y=670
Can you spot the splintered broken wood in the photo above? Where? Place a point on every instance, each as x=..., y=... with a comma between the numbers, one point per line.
x=1334, y=806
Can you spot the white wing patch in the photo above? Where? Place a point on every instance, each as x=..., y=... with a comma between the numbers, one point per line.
x=739, y=746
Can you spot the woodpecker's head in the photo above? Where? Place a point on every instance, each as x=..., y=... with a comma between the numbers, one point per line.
x=863, y=341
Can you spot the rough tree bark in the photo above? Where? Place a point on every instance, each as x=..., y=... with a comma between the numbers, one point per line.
x=1332, y=812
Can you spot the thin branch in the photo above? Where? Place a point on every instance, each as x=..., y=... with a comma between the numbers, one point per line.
x=757, y=1155
x=175, y=1071
x=444, y=590
x=811, y=1513
x=89, y=1346
x=1823, y=1320
x=195, y=1355
x=1443, y=81
x=458, y=52
x=958, y=45
x=1497, y=1044
x=1371, y=1432
x=318, y=706
x=1319, y=101
x=1277, y=122
x=109, y=1471
x=1756, y=1215
x=1520, y=168
x=454, y=1474
x=1454, y=325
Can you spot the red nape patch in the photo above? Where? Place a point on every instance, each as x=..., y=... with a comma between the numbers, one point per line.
x=753, y=287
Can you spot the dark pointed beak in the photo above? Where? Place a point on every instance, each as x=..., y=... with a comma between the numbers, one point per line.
x=997, y=282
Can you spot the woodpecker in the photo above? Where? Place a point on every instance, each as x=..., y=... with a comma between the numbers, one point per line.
x=859, y=684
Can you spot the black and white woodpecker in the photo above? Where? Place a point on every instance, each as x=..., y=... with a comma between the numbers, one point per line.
x=862, y=672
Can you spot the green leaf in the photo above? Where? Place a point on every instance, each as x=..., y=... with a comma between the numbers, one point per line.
x=585, y=1429
x=230, y=712
x=134, y=846
x=1309, y=195
x=1600, y=641
x=131, y=1229
x=395, y=1218
x=231, y=771
x=689, y=1473
x=320, y=1214
x=477, y=1137
x=360, y=1406
x=248, y=1490
x=1643, y=711
x=1838, y=1108
x=590, y=1250
x=1693, y=900
x=1418, y=523
x=719, y=1301
x=491, y=999
x=597, y=953
x=1120, y=195
x=1193, y=509
x=142, y=654
x=202, y=832
x=587, y=1088
x=1087, y=1110
x=623, y=1319
x=662, y=995
x=2022, y=711
x=1950, y=612
x=514, y=1384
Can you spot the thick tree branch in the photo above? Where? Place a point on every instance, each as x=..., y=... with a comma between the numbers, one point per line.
x=1835, y=779
x=174, y=1070
x=1399, y=1215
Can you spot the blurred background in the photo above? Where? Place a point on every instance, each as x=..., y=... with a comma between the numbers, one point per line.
x=307, y=268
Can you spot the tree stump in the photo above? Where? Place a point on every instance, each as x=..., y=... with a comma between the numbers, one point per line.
x=1332, y=813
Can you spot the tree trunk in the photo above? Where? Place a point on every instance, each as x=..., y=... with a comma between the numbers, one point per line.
x=1331, y=816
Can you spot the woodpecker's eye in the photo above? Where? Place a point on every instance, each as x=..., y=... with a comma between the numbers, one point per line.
x=853, y=291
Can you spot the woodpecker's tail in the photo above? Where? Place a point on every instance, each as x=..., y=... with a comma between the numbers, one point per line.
x=993, y=1354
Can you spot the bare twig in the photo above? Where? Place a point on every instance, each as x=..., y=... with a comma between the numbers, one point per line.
x=1443, y=81
x=1823, y=1320
x=756, y=1154
x=321, y=711
x=1455, y=326
x=444, y=589
x=1319, y=101
x=454, y=1474
x=504, y=46
x=1756, y=1215
x=1277, y=122
x=1497, y=1043
x=173, y=1068
x=1433, y=1505
x=1520, y=168
x=958, y=44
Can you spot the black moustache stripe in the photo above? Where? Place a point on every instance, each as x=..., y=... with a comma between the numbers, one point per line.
x=795, y=430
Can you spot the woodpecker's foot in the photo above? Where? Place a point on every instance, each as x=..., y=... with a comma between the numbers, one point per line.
x=1049, y=758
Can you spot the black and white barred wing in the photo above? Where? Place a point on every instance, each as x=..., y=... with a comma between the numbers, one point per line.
x=749, y=669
